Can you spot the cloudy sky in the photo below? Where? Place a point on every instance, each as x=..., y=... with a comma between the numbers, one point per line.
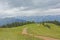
x=11, y=8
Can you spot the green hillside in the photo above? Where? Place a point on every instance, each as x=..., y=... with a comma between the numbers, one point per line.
x=14, y=34
x=35, y=29
x=39, y=29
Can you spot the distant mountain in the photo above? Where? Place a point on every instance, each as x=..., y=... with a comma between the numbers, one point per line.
x=41, y=18
x=29, y=18
x=4, y=21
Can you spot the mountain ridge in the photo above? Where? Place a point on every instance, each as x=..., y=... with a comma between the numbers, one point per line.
x=29, y=18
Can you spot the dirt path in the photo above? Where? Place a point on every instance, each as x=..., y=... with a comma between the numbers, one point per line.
x=45, y=38
x=24, y=32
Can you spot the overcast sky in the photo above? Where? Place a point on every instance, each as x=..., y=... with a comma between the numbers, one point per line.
x=11, y=8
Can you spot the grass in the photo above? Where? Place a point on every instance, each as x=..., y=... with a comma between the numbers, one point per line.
x=36, y=29
x=39, y=29
x=14, y=34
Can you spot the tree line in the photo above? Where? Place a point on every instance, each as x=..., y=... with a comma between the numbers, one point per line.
x=54, y=22
x=16, y=24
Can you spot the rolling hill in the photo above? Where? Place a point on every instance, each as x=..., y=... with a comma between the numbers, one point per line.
x=35, y=29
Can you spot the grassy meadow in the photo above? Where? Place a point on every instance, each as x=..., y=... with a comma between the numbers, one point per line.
x=35, y=29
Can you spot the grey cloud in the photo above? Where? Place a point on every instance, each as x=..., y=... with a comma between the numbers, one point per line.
x=47, y=3
x=43, y=4
x=30, y=7
x=35, y=3
x=19, y=3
